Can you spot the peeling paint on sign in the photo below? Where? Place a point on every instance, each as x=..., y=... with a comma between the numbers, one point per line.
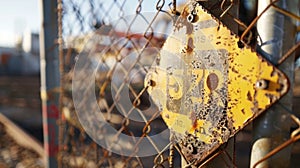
x=208, y=88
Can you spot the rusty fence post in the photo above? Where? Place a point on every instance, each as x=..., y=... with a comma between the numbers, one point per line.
x=276, y=35
x=50, y=79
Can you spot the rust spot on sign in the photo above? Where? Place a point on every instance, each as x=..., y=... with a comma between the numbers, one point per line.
x=190, y=46
x=207, y=90
x=212, y=81
x=249, y=97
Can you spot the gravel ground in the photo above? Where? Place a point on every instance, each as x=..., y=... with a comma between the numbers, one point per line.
x=12, y=155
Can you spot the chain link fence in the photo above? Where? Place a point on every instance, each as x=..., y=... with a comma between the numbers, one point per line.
x=117, y=41
x=92, y=26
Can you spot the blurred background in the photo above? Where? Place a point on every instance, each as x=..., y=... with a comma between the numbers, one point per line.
x=19, y=69
x=21, y=125
x=20, y=104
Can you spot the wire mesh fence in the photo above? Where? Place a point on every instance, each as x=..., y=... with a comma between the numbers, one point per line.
x=107, y=49
x=88, y=26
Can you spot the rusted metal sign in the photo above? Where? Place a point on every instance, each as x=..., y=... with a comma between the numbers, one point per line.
x=208, y=88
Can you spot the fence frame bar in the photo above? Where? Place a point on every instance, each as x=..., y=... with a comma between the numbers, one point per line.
x=50, y=79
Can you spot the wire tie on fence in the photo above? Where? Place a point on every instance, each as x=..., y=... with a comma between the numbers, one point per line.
x=227, y=9
x=174, y=10
x=125, y=122
x=160, y=6
x=147, y=128
x=160, y=154
x=297, y=121
x=139, y=8
x=159, y=162
x=136, y=102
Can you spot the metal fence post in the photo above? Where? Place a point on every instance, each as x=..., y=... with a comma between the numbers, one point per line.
x=50, y=79
x=276, y=36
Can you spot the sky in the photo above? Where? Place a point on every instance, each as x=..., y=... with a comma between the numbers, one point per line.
x=17, y=16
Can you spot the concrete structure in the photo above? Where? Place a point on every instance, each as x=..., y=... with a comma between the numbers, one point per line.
x=21, y=61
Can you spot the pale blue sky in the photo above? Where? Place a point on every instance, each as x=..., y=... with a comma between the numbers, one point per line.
x=17, y=16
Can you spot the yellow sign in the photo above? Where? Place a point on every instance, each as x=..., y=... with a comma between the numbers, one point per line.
x=208, y=88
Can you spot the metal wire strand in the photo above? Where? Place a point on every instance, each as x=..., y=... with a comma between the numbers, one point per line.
x=78, y=22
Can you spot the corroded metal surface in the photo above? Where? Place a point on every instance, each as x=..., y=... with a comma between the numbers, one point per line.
x=207, y=85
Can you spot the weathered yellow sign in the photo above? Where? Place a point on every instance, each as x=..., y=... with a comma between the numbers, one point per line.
x=208, y=88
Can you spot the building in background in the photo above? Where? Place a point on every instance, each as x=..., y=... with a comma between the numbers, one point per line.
x=23, y=59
